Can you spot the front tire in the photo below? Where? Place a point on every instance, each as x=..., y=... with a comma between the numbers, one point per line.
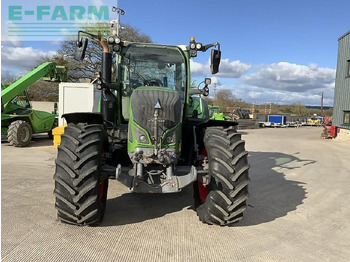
x=80, y=190
x=227, y=193
x=19, y=133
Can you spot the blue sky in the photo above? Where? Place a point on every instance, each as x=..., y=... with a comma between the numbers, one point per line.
x=272, y=50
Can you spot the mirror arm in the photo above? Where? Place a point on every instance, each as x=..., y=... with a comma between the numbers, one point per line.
x=206, y=47
x=89, y=34
x=195, y=91
x=113, y=86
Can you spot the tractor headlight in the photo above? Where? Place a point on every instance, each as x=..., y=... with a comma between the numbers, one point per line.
x=205, y=91
x=117, y=40
x=192, y=45
x=199, y=46
x=170, y=139
x=143, y=139
x=111, y=39
x=140, y=135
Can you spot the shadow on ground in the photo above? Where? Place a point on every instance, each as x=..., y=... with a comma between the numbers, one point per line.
x=133, y=208
x=37, y=141
x=271, y=195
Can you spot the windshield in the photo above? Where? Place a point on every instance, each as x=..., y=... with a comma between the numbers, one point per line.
x=21, y=100
x=151, y=65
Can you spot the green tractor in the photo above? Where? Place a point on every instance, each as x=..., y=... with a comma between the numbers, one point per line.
x=18, y=119
x=216, y=113
x=153, y=134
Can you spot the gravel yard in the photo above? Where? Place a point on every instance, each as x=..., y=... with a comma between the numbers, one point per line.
x=298, y=209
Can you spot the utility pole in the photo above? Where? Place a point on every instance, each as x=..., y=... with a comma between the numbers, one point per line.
x=322, y=104
x=214, y=91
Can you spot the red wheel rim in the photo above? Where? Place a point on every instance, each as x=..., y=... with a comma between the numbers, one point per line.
x=102, y=183
x=202, y=190
x=102, y=187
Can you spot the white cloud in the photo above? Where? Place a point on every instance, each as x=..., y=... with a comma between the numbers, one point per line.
x=215, y=81
x=97, y=3
x=22, y=57
x=198, y=69
x=259, y=95
x=227, y=69
x=282, y=82
x=5, y=74
x=285, y=76
x=234, y=69
x=13, y=42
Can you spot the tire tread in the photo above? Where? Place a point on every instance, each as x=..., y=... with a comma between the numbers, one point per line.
x=228, y=167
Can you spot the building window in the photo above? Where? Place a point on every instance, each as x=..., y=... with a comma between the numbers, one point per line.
x=346, y=117
x=347, y=68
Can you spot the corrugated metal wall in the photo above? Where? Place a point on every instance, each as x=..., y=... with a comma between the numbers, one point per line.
x=342, y=82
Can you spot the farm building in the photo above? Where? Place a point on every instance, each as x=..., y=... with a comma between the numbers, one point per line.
x=341, y=109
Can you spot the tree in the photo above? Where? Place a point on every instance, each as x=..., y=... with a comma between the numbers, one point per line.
x=86, y=69
x=299, y=109
x=224, y=98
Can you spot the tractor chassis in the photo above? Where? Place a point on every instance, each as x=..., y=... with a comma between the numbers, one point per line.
x=176, y=179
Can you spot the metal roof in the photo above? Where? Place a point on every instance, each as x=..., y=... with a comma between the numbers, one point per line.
x=344, y=35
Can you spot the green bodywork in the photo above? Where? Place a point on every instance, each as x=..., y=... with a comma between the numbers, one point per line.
x=198, y=106
x=136, y=66
x=20, y=109
x=139, y=63
x=15, y=103
x=133, y=141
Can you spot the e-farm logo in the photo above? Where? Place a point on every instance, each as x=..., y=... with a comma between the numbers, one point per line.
x=54, y=22
x=60, y=13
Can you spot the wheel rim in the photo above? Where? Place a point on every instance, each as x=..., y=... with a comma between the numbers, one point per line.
x=101, y=190
x=102, y=183
x=202, y=190
x=24, y=134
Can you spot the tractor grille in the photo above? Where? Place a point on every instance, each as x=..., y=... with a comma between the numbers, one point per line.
x=143, y=103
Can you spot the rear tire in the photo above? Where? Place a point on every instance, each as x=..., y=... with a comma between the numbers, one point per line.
x=227, y=192
x=80, y=190
x=19, y=133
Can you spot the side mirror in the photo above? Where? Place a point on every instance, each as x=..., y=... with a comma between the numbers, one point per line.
x=80, y=49
x=215, y=61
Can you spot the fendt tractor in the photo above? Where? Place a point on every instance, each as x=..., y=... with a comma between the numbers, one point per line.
x=152, y=133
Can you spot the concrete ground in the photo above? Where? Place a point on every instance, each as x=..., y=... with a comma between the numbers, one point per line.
x=298, y=209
